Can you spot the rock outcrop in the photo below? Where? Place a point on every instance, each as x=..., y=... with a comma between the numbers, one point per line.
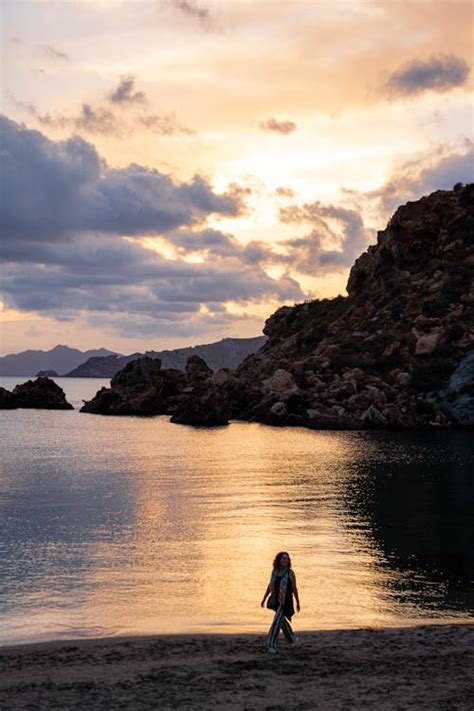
x=378, y=357
x=144, y=388
x=141, y=388
x=42, y=394
x=396, y=352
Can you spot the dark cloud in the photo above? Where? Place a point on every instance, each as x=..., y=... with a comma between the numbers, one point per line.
x=126, y=286
x=64, y=216
x=125, y=92
x=51, y=52
x=62, y=188
x=439, y=73
x=272, y=124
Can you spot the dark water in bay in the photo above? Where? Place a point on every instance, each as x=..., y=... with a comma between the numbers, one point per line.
x=127, y=525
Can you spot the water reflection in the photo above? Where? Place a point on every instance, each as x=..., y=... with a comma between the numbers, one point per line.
x=418, y=508
x=129, y=525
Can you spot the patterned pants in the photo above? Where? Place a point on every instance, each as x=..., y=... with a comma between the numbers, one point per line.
x=280, y=622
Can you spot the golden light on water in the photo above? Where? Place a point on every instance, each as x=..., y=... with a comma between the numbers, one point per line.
x=142, y=526
x=197, y=551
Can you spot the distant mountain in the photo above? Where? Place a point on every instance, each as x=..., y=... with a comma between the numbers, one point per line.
x=61, y=359
x=228, y=353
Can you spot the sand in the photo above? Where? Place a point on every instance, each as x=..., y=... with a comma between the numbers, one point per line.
x=425, y=667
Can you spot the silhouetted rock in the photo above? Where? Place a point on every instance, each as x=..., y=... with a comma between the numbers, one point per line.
x=8, y=401
x=144, y=371
x=42, y=393
x=206, y=406
x=141, y=388
x=197, y=370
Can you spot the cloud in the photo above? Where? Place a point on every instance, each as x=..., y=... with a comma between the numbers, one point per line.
x=90, y=119
x=166, y=125
x=191, y=9
x=436, y=170
x=337, y=237
x=440, y=73
x=122, y=285
x=272, y=124
x=120, y=114
x=50, y=52
x=125, y=92
x=64, y=216
x=284, y=192
x=60, y=188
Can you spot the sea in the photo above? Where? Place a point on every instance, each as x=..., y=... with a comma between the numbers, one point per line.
x=127, y=525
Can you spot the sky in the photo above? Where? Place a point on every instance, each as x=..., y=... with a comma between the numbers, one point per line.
x=173, y=171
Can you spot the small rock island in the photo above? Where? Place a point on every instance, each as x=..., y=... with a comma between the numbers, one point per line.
x=42, y=393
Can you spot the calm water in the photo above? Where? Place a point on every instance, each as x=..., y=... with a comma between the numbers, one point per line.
x=128, y=525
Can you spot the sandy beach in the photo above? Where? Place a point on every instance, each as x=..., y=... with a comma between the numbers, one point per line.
x=424, y=667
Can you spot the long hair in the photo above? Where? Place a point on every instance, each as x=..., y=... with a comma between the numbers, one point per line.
x=276, y=562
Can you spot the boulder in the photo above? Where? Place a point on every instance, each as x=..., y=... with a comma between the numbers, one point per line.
x=361, y=401
x=427, y=343
x=393, y=414
x=42, y=394
x=354, y=374
x=373, y=416
x=377, y=396
x=206, y=406
x=278, y=414
x=197, y=370
x=280, y=382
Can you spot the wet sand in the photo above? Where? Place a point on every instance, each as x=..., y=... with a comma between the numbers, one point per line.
x=424, y=667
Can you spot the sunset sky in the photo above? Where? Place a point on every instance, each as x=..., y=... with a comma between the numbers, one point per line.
x=175, y=170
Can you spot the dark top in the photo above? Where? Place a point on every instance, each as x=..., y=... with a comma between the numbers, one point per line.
x=288, y=608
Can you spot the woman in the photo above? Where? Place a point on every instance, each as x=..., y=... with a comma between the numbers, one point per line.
x=281, y=588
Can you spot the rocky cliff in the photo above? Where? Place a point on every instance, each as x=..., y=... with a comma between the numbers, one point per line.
x=396, y=352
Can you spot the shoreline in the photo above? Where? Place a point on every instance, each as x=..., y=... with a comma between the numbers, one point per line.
x=422, y=666
x=224, y=632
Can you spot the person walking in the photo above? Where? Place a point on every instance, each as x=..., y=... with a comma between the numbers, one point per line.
x=281, y=588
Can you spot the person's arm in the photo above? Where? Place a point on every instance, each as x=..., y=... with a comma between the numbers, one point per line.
x=295, y=590
x=267, y=593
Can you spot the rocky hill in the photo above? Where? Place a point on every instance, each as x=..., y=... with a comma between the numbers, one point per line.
x=227, y=353
x=396, y=352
